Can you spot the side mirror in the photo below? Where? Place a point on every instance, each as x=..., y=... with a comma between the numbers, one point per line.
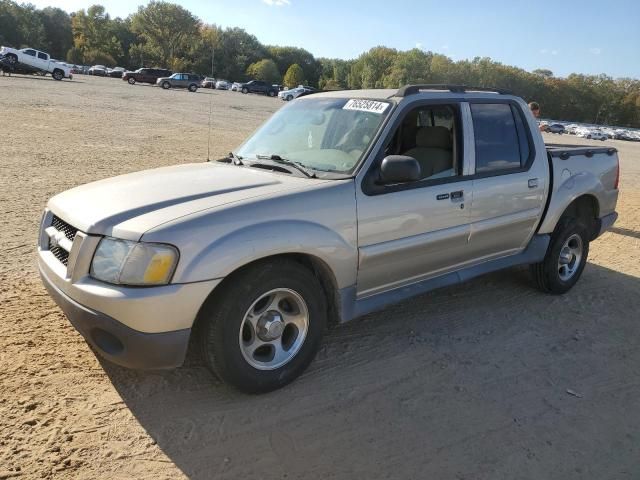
x=399, y=169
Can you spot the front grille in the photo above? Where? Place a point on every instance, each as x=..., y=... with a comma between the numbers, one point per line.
x=61, y=254
x=69, y=232
x=62, y=226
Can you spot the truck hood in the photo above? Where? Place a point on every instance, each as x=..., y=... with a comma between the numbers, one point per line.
x=128, y=205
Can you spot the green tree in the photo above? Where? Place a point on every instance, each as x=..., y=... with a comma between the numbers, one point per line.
x=294, y=76
x=543, y=72
x=287, y=56
x=166, y=31
x=93, y=35
x=265, y=70
x=235, y=51
x=57, y=31
x=21, y=25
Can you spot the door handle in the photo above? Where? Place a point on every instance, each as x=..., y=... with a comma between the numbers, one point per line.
x=533, y=183
x=457, y=194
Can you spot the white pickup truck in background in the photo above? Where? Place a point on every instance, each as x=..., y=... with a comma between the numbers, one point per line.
x=29, y=60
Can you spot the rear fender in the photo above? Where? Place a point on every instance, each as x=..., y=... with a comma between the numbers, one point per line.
x=583, y=183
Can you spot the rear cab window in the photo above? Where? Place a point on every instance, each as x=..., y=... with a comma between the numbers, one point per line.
x=501, y=141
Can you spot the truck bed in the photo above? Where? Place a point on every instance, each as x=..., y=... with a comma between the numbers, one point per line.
x=575, y=170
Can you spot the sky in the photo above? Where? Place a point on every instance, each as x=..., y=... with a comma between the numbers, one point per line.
x=590, y=37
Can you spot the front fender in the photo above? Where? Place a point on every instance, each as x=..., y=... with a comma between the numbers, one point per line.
x=241, y=247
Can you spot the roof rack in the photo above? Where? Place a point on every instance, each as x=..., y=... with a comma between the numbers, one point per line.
x=413, y=89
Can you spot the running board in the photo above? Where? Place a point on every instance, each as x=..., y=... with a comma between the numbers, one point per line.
x=352, y=308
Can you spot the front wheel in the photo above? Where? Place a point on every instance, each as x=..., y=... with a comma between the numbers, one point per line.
x=166, y=85
x=245, y=90
x=132, y=81
x=57, y=75
x=264, y=328
x=566, y=258
x=193, y=88
x=289, y=98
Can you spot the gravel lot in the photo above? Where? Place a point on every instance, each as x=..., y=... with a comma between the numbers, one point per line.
x=469, y=382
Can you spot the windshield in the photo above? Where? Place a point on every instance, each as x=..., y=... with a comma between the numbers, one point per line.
x=321, y=133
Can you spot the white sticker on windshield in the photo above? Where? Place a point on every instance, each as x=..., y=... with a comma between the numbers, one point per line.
x=365, y=105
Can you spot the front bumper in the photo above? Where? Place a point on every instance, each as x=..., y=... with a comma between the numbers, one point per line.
x=117, y=342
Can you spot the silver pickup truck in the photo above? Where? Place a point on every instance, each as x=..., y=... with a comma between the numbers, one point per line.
x=342, y=203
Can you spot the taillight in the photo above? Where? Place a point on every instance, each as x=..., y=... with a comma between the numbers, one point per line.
x=615, y=185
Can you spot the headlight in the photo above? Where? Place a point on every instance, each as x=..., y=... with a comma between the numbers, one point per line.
x=133, y=263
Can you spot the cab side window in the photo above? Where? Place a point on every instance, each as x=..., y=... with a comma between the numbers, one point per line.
x=42, y=56
x=31, y=53
x=500, y=137
x=430, y=134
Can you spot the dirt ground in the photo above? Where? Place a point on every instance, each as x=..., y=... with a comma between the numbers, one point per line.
x=486, y=380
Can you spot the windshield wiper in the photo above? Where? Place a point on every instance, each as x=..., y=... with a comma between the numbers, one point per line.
x=283, y=161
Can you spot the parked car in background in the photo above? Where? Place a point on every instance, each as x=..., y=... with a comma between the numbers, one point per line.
x=29, y=60
x=208, y=82
x=116, y=72
x=623, y=135
x=593, y=135
x=258, y=86
x=146, y=75
x=556, y=128
x=98, y=70
x=236, y=86
x=288, y=95
x=222, y=85
x=180, y=80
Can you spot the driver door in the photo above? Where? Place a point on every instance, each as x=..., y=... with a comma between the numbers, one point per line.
x=410, y=232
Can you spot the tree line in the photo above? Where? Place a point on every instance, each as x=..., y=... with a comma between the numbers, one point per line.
x=167, y=35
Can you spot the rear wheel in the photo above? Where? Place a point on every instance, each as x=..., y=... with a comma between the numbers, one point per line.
x=565, y=259
x=58, y=74
x=289, y=98
x=132, y=81
x=245, y=90
x=264, y=328
x=166, y=85
x=193, y=88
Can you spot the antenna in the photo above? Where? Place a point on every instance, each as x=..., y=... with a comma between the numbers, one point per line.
x=210, y=110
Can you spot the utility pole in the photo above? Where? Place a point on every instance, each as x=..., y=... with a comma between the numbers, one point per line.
x=212, y=56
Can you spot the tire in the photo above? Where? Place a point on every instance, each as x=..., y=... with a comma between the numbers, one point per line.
x=588, y=137
x=193, y=88
x=166, y=85
x=272, y=93
x=245, y=90
x=12, y=59
x=552, y=274
x=131, y=80
x=227, y=337
x=57, y=75
x=289, y=98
